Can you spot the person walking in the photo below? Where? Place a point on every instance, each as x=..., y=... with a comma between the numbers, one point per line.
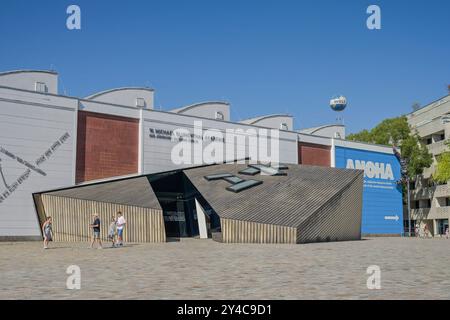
x=121, y=222
x=112, y=231
x=425, y=231
x=96, y=232
x=446, y=233
x=47, y=231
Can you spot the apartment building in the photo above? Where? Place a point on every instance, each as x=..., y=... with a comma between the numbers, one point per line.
x=430, y=202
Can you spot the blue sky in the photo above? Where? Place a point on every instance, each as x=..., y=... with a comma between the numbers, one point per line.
x=261, y=56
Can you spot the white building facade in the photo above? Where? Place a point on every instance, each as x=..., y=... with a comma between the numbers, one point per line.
x=50, y=141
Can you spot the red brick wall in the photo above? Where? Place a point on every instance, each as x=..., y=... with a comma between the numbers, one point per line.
x=107, y=146
x=314, y=154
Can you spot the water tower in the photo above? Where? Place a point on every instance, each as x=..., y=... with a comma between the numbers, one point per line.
x=338, y=104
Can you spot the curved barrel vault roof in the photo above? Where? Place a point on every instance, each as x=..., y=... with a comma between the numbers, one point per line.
x=125, y=96
x=29, y=80
x=207, y=109
x=274, y=121
x=328, y=130
x=5, y=73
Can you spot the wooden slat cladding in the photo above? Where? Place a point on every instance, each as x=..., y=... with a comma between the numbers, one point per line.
x=39, y=209
x=71, y=219
x=236, y=231
x=339, y=219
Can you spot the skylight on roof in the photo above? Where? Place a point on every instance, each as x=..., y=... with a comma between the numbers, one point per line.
x=238, y=187
x=218, y=176
x=249, y=171
x=268, y=170
x=233, y=179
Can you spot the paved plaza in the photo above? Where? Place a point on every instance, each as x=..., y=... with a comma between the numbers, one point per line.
x=204, y=269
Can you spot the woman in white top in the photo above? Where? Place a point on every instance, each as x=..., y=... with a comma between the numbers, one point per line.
x=121, y=222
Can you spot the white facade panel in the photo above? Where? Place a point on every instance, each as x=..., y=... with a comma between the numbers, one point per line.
x=37, y=147
x=302, y=137
x=363, y=146
x=109, y=109
x=158, y=144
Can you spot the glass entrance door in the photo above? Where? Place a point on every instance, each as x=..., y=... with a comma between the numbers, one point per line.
x=180, y=218
x=174, y=218
x=442, y=225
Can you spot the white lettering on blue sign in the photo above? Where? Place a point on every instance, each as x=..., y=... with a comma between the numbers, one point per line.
x=372, y=170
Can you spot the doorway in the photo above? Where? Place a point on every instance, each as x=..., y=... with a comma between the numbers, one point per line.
x=442, y=225
x=177, y=199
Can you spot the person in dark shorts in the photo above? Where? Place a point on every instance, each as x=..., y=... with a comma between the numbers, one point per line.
x=47, y=231
x=96, y=232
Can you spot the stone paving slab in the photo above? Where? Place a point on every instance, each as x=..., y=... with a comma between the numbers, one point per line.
x=204, y=269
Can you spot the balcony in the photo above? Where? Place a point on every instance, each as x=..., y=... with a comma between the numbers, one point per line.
x=430, y=127
x=419, y=214
x=429, y=213
x=440, y=211
x=427, y=172
x=438, y=147
x=431, y=192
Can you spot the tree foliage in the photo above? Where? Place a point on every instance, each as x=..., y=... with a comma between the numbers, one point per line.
x=416, y=154
x=389, y=132
x=396, y=132
x=442, y=172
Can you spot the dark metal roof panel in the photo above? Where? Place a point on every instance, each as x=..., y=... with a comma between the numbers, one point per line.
x=282, y=200
x=134, y=192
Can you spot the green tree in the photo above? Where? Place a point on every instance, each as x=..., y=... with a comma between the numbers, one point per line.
x=388, y=132
x=442, y=172
x=397, y=132
x=363, y=136
x=417, y=155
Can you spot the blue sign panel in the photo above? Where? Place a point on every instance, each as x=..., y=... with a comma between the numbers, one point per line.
x=382, y=196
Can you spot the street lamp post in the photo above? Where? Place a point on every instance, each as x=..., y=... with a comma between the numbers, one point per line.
x=409, y=208
x=405, y=178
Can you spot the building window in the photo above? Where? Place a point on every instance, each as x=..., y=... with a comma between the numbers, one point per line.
x=442, y=226
x=284, y=126
x=41, y=87
x=140, y=102
x=447, y=202
x=428, y=141
x=219, y=115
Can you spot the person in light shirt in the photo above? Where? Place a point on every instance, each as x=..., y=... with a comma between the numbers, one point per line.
x=121, y=222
